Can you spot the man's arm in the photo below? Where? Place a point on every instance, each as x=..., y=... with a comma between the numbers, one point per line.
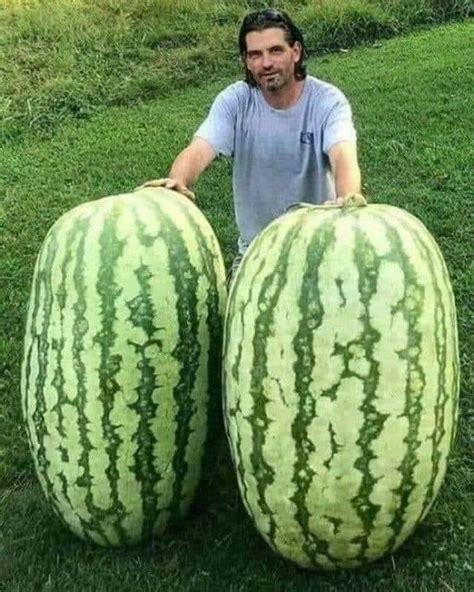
x=186, y=168
x=345, y=168
x=191, y=162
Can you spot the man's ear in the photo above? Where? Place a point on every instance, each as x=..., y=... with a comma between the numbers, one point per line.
x=297, y=46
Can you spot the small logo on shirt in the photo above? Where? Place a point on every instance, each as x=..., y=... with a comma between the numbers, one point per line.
x=307, y=138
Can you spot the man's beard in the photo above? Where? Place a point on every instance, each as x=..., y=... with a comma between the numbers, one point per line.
x=276, y=82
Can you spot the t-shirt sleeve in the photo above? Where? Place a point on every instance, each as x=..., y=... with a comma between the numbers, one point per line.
x=338, y=124
x=218, y=129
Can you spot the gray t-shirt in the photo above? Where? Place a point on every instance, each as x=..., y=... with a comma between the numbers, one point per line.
x=279, y=155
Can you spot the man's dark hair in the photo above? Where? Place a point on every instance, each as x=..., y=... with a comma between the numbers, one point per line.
x=267, y=19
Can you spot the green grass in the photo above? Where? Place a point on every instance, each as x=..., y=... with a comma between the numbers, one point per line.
x=66, y=59
x=412, y=99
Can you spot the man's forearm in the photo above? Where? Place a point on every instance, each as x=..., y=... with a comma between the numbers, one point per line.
x=347, y=180
x=185, y=169
x=191, y=162
x=345, y=168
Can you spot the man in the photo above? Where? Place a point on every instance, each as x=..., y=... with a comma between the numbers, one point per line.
x=290, y=135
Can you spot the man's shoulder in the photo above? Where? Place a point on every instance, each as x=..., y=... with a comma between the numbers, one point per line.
x=239, y=90
x=324, y=92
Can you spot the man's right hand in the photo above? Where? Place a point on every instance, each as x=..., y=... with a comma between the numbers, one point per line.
x=169, y=183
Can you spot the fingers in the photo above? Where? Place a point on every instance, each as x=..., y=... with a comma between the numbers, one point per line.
x=155, y=183
x=168, y=183
x=188, y=193
x=341, y=200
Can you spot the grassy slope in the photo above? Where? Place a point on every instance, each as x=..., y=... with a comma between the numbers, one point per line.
x=85, y=55
x=412, y=102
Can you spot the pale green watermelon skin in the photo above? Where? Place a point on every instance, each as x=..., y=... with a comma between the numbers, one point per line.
x=341, y=381
x=123, y=340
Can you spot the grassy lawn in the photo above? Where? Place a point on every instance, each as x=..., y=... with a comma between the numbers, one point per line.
x=412, y=99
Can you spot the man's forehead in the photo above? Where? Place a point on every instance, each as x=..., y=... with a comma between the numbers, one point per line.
x=265, y=38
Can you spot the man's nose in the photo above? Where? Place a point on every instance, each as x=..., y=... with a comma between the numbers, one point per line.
x=266, y=61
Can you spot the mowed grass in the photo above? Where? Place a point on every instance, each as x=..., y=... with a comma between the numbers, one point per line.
x=412, y=99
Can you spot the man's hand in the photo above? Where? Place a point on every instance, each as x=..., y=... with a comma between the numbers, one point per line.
x=186, y=168
x=169, y=183
x=336, y=201
x=350, y=198
x=343, y=199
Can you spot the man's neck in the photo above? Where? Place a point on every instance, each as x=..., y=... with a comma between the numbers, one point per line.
x=285, y=97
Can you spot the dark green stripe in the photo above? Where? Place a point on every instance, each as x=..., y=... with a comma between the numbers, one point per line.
x=450, y=321
x=142, y=314
x=188, y=349
x=230, y=412
x=442, y=396
x=211, y=261
x=432, y=258
x=410, y=306
x=270, y=289
x=244, y=302
x=311, y=311
x=31, y=346
x=456, y=374
x=239, y=302
x=57, y=345
x=108, y=291
x=335, y=447
x=213, y=308
x=40, y=340
x=64, y=398
x=367, y=262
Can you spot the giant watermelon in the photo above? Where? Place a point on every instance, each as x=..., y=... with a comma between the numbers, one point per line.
x=341, y=381
x=122, y=349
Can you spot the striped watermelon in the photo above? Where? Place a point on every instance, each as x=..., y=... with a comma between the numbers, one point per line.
x=341, y=381
x=122, y=342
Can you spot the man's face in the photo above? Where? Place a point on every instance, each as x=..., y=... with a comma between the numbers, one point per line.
x=270, y=59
